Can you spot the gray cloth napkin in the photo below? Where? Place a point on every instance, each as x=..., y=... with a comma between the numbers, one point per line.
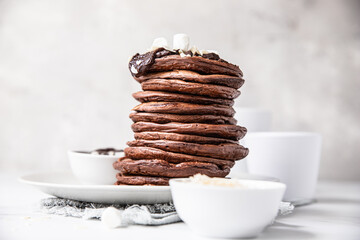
x=150, y=214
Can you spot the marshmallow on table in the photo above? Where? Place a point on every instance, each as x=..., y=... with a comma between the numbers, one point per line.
x=112, y=218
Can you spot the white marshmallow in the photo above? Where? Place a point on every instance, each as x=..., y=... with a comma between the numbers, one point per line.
x=202, y=52
x=181, y=41
x=194, y=50
x=182, y=54
x=159, y=43
x=111, y=217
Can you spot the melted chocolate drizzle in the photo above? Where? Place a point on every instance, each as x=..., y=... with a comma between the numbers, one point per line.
x=140, y=63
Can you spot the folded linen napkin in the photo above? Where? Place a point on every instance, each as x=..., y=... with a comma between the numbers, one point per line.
x=149, y=214
x=115, y=215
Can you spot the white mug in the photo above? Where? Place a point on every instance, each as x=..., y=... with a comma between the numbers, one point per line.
x=292, y=157
x=254, y=120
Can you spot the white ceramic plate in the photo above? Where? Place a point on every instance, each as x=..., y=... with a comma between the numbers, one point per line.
x=65, y=185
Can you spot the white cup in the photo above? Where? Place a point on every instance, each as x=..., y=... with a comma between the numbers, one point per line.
x=255, y=120
x=94, y=169
x=292, y=157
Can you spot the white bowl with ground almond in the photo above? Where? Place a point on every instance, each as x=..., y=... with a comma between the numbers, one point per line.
x=226, y=208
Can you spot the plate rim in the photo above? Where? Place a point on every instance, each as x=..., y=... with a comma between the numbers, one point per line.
x=25, y=179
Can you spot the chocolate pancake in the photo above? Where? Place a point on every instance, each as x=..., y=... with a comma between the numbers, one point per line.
x=189, y=76
x=162, y=59
x=141, y=180
x=167, y=118
x=232, y=132
x=181, y=138
x=137, y=153
x=158, y=96
x=161, y=168
x=184, y=108
x=196, y=64
x=226, y=151
x=179, y=86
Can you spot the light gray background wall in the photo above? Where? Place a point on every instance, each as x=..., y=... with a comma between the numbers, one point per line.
x=64, y=82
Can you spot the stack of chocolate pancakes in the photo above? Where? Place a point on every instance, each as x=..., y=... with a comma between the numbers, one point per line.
x=184, y=123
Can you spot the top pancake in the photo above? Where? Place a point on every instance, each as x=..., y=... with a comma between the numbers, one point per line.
x=189, y=76
x=197, y=64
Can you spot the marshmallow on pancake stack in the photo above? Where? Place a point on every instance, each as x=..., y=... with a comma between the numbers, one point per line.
x=184, y=123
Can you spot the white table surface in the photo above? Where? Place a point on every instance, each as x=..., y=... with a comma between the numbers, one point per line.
x=336, y=215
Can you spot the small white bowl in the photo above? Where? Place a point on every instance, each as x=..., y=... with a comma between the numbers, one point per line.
x=94, y=169
x=227, y=212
